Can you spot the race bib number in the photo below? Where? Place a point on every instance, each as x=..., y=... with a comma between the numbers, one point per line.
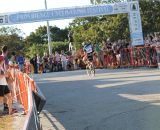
x=88, y=49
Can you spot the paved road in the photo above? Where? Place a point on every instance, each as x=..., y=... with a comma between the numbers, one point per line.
x=113, y=100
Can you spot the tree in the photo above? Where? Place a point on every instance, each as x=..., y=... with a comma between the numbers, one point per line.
x=40, y=35
x=34, y=49
x=115, y=26
x=12, y=37
x=149, y=12
x=58, y=34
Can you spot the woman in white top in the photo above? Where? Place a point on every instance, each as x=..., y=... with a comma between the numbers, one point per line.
x=63, y=60
x=4, y=89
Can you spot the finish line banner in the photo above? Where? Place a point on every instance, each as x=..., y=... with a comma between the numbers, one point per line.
x=130, y=8
x=62, y=13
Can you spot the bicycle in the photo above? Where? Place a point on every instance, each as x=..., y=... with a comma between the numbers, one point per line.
x=90, y=68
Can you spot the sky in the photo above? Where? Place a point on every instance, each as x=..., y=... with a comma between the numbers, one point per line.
x=27, y=5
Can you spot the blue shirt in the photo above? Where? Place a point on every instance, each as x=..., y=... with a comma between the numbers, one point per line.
x=20, y=60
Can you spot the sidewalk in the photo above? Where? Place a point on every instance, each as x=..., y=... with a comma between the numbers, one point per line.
x=49, y=122
x=13, y=122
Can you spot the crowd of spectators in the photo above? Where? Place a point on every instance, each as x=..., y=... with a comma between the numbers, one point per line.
x=52, y=63
x=153, y=40
x=110, y=54
x=106, y=54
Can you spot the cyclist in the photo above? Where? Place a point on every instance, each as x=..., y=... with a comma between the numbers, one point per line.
x=88, y=50
x=88, y=58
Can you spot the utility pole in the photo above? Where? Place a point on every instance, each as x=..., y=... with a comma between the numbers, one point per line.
x=48, y=33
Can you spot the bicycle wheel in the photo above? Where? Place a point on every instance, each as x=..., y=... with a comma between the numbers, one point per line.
x=88, y=71
x=92, y=69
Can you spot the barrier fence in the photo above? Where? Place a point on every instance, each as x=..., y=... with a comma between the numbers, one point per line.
x=146, y=56
x=28, y=94
x=132, y=57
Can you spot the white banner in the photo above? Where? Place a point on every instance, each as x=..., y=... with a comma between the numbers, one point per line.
x=135, y=24
x=131, y=8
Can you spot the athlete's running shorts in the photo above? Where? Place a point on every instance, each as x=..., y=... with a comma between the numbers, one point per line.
x=4, y=89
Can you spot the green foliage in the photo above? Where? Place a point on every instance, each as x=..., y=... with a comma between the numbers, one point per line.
x=34, y=49
x=58, y=46
x=58, y=34
x=12, y=37
x=40, y=35
x=100, y=28
x=150, y=12
x=115, y=26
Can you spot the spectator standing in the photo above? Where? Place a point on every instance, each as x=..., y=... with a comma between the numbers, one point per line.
x=20, y=61
x=13, y=57
x=35, y=64
x=45, y=62
x=5, y=55
x=58, y=61
x=51, y=60
x=99, y=54
x=105, y=54
x=28, y=66
x=5, y=67
x=57, y=56
x=38, y=62
x=5, y=94
x=63, y=60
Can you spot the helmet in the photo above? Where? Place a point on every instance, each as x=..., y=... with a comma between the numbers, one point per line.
x=83, y=43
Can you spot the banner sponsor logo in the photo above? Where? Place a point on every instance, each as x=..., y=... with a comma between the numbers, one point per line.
x=65, y=13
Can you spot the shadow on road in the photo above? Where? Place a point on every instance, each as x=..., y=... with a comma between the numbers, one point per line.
x=123, y=102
